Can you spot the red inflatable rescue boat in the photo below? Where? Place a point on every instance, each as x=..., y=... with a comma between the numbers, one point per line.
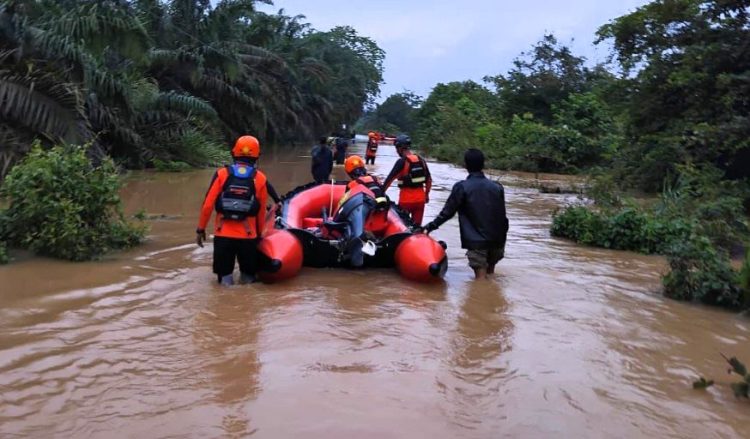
x=359, y=235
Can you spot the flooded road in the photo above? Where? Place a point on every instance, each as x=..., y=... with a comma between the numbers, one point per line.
x=566, y=341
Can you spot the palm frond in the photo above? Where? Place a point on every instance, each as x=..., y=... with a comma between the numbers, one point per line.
x=39, y=103
x=171, y=57
x=185, y=104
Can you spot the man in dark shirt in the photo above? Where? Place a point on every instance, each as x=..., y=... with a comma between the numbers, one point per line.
x=480, y=204
x=341, y=146
x=322, y=161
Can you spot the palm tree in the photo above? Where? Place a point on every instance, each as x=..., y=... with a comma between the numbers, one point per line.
x=137, y=79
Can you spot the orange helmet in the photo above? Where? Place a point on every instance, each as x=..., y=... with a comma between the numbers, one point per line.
x=371, y=134
x=246, y=146
x=353, y=162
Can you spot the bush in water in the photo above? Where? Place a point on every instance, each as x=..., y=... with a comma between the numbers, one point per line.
x=701, y=272
x=741, y=388
x=628, y=228
x=695, y=223
x=62, y=206
x=171, y=166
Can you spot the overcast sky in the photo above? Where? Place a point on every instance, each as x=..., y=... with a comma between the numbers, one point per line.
x=427, y=42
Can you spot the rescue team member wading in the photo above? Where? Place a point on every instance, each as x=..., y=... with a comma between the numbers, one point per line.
x=372, y=147
x=480, y=203
x=414, y=178
x=239, y=194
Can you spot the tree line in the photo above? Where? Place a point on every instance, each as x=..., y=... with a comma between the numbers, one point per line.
x=151, y=81
x=676, y=91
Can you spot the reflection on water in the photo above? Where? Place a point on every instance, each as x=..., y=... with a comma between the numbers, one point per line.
x=566, y=341
x=477, y=367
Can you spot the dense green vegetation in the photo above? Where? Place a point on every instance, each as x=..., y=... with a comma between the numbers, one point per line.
x=676, y=93
x=397, y=114
x=745, y=276
x=61, y=205
x=700, y=203
x=697, y=224
x=550, y=113
x=164, y=84
x=3, y=253
x=148, y=80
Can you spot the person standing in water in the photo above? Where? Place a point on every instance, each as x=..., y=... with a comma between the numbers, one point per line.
x=483, y=223
x=238, y=193
x=322, y=161
x=414, y=179
x=372, y=148
x=341, y=145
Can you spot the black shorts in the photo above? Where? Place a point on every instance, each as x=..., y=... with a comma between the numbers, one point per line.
x=227, y=250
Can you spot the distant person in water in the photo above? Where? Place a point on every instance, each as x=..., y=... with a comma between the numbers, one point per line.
x=372, y=148
x=480, y=204
x=238, y=193
x=322, y=161
x=342, y=144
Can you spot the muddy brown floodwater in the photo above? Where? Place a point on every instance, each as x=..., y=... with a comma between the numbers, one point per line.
x=566, y=341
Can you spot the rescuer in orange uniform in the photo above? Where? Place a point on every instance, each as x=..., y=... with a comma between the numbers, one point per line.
x=239, y=194
x=362, y=182
x=362, y=211
x=372, y=147
x=414, y=178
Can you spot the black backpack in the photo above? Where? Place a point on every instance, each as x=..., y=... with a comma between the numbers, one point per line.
x=237, y=200
x=381, y=199
x=417, y=175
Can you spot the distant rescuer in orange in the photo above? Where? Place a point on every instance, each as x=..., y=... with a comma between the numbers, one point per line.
x=414, y=179
x=372, y=147
x=238, y=193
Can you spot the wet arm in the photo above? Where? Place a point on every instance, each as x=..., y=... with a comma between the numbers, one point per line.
x=428, y=179
x=397, y=168
x=210, y=201
x=262, y=199
x=451, y=206
x=504, y=219
x=272, y=192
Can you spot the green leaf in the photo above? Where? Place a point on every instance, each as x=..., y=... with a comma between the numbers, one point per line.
x=737, y=366
x=741, y=390
x=702, y=383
